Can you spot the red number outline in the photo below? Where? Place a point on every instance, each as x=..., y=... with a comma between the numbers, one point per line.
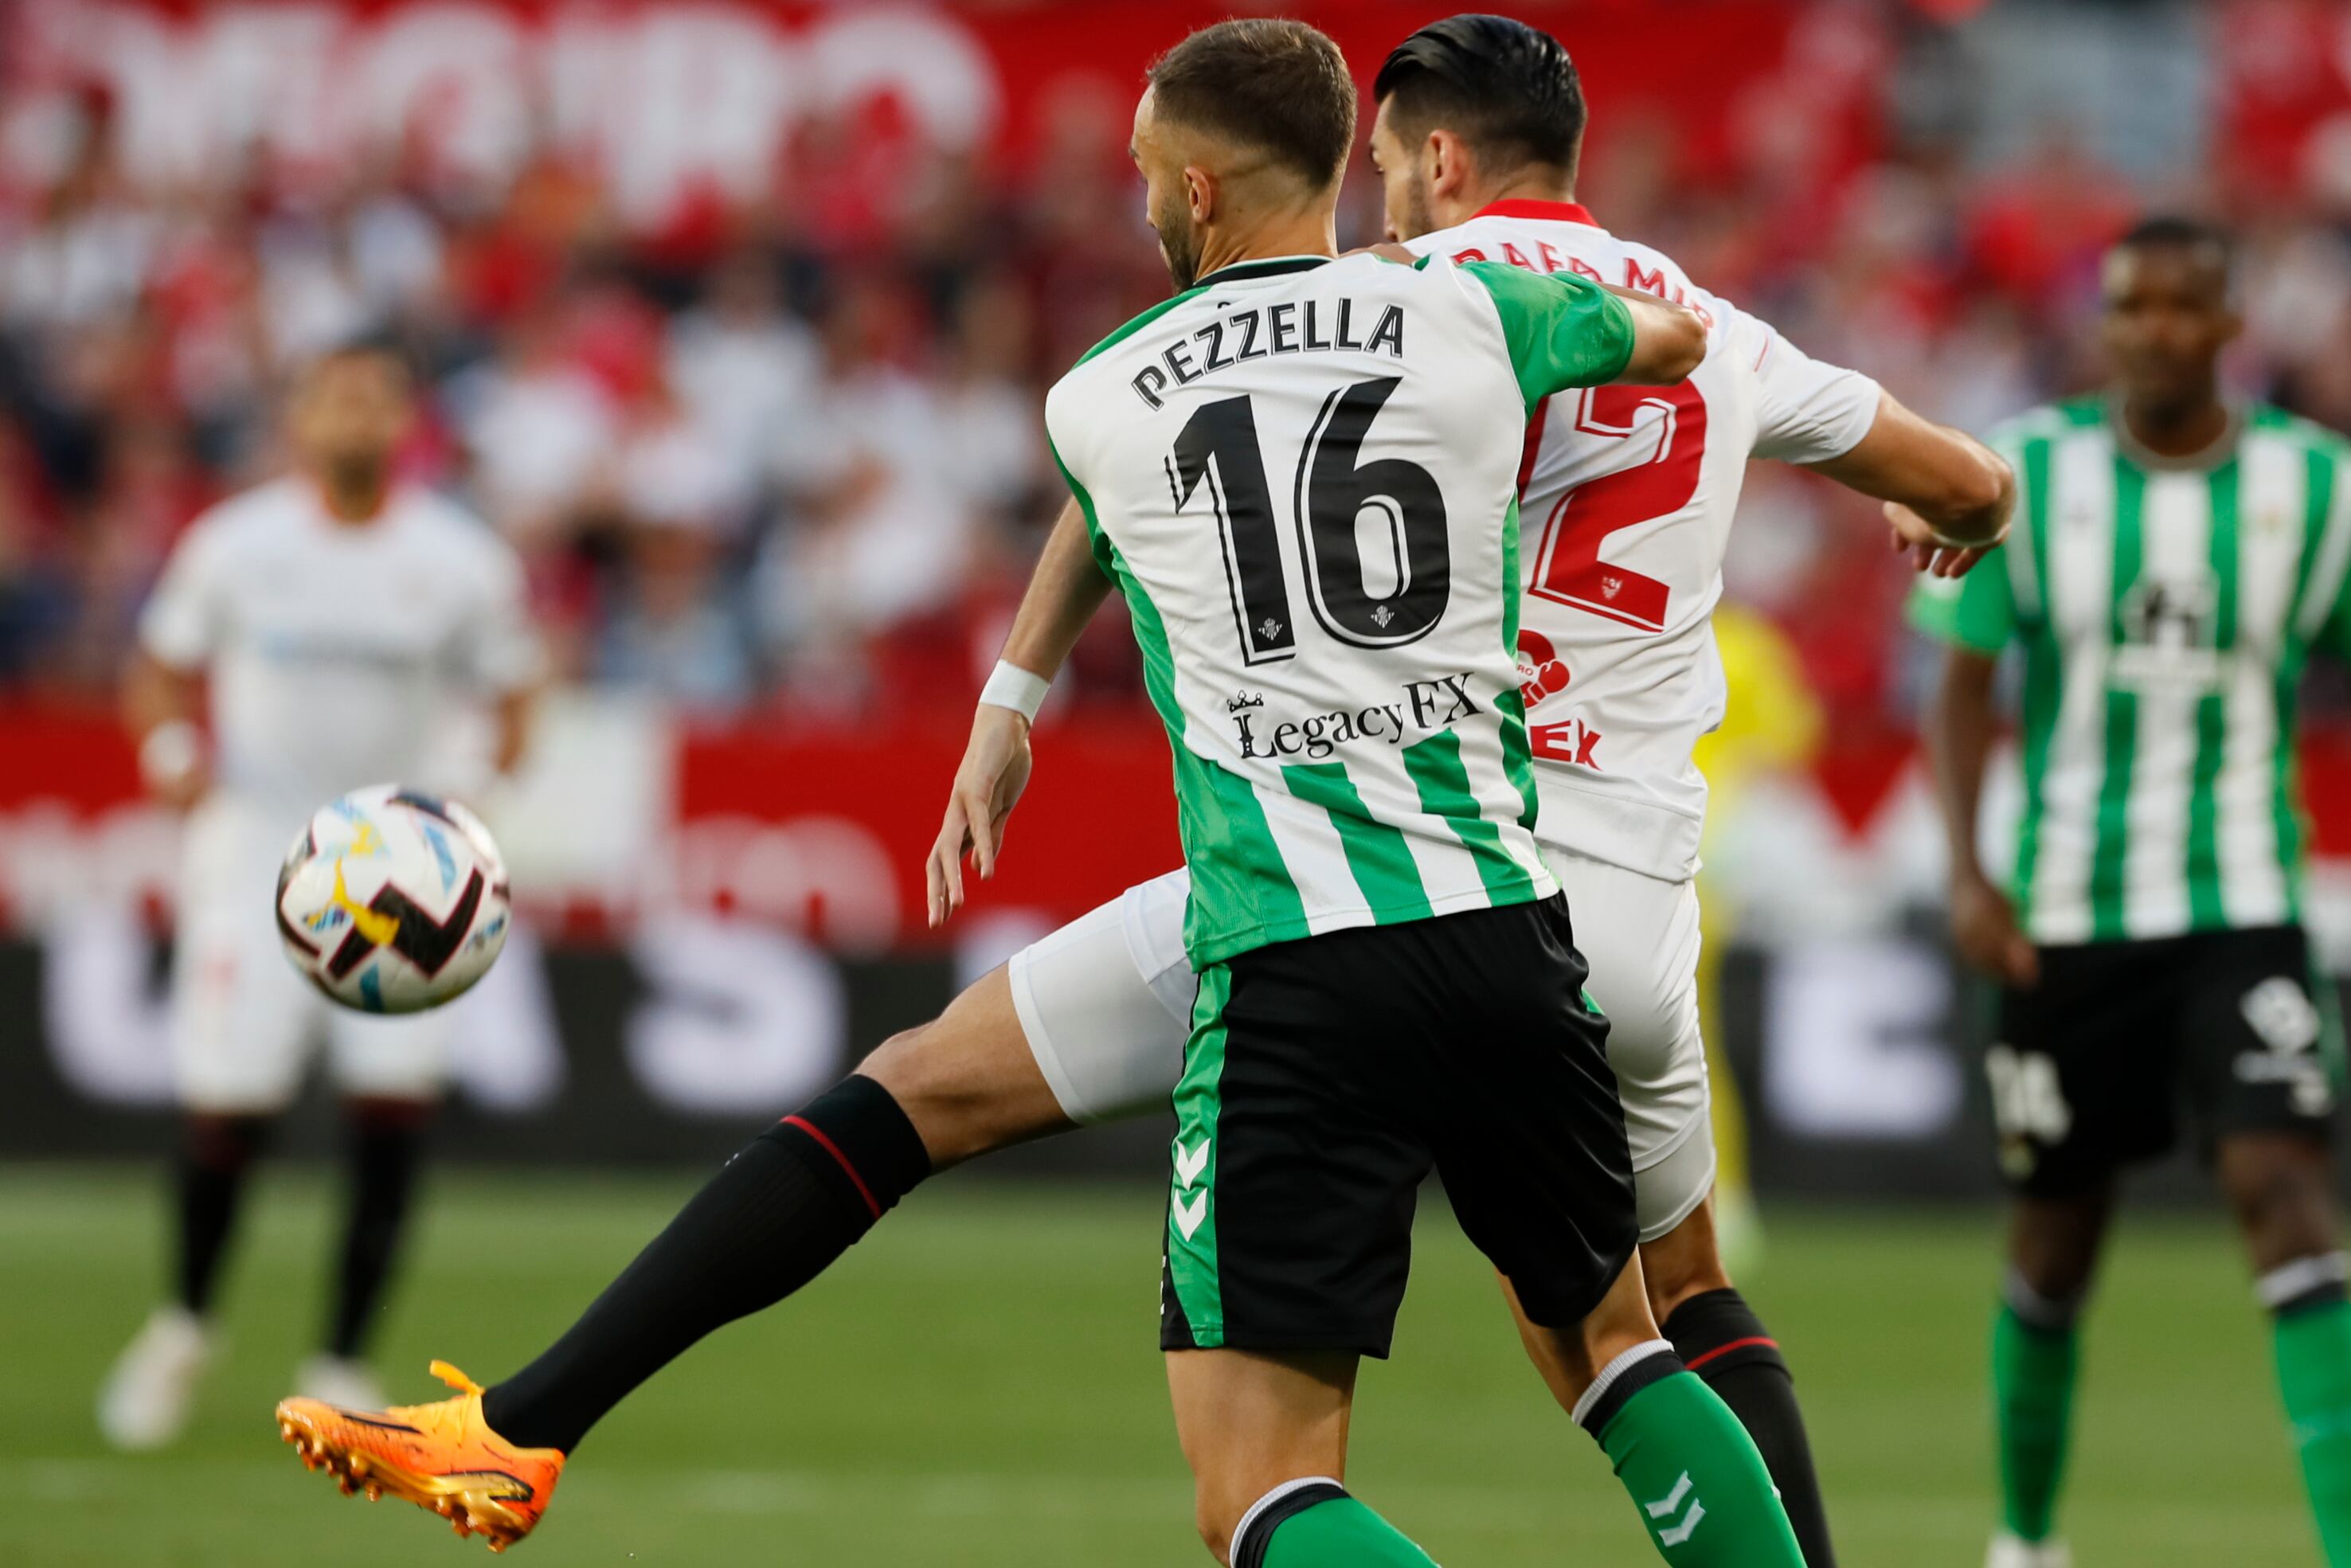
x=1568, y=567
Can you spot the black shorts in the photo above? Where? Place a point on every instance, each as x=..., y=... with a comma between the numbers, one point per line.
x=1325, y=1077
x=2099, y=1065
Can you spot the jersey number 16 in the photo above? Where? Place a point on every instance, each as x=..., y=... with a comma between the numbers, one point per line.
x=1375, y=587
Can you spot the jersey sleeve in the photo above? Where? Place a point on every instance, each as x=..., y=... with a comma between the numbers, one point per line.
x=1976, y=611
x=498, y=649
x=1561, y=330
x=1808, y=411
x=180, y=625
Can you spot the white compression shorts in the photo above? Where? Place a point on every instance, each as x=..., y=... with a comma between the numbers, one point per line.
x=1106, y=1003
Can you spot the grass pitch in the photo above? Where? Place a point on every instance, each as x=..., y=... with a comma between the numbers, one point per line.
x=978, y=1384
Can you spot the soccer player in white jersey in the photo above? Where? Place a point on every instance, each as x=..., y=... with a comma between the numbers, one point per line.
x=2177, y=560
x=1089, y=1024
x=339, y=618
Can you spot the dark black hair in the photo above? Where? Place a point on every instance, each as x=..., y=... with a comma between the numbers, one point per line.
x=1508, y=89
x=2170, y=231
x=1269, y=83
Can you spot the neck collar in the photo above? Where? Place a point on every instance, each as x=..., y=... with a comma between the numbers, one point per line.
x=1262, y=267
x=1528, y=207
x=2213, y=454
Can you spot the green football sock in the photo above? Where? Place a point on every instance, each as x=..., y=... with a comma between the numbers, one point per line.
x=2032, y=1371
x=1319, y=1525
x=2313, y=1367
x=1701, y=1487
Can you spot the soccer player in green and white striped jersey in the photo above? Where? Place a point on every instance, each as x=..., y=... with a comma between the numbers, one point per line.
x=2176, y=560
x=1302, y=474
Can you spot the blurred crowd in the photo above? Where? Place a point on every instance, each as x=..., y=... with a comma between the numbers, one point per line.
x=782, y=455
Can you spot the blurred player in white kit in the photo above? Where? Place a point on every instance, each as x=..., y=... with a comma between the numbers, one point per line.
x=342, y=621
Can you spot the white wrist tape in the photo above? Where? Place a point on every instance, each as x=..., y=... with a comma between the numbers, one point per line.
x=1011, y=686
x=170, y=752
x=1945, y=541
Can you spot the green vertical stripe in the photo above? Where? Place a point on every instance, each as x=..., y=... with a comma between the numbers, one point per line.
x=2318, y=506
x=1437, y=770
x=1199, y=1101
x=2205, y=912
x=1241, y=888
x=2043, y=670
x=2285, y=762
x=2121, y=740
x=1376, y=853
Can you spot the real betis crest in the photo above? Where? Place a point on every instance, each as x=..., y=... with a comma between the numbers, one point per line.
x=2170, y=631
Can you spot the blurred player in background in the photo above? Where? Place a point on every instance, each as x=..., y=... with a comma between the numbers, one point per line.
x=339, y=618
x=2179, y=558
x=1089, y=1024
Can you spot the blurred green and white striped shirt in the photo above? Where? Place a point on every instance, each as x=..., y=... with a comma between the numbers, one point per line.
x=2165, y=610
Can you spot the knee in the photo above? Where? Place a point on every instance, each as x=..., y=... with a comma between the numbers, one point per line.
x=949, y=1106
x=1216, y=1522
x=2279, y=1191
x=221, y=1142
x=1674, y=1271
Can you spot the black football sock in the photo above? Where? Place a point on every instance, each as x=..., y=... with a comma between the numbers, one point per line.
x=1719, y=1337
x=210, y=1181
x=386, y=1147
x=788, y=1203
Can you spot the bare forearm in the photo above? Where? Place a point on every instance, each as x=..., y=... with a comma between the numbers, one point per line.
x=512, y=719
x=1959, y=735
x=1962, y=488
x=154, y=694
x=1063, y=594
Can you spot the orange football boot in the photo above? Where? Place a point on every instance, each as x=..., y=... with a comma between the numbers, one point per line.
x=441, y=1456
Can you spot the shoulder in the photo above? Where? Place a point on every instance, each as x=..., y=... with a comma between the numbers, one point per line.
x=246, y=519
x=452, y=533
x=1129, y=328
x=2308, y=434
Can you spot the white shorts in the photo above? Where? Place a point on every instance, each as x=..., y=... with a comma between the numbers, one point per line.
x=1106, y=1003
x=244, y=1026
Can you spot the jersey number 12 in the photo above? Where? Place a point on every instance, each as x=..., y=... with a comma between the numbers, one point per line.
x=1375, y=587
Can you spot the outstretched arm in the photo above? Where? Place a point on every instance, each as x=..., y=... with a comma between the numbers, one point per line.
x=1668, y=340
x=1063, y=594
x=1948, y=496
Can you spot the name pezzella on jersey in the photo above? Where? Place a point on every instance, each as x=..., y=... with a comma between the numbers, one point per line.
x=1291, y=326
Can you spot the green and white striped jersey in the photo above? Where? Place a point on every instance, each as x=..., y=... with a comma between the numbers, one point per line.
x=2165, y=613
x=1302, y=476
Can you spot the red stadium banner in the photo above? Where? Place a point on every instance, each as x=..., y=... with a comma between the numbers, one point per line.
x=675, y=103
x=819, y=831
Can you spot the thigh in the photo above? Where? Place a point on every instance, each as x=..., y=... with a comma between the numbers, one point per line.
x=1524, y=1114
x=1640, y=937
x=389, y=1057
x=2254, y=1038
x=243, y=1021
x=2084, y=1070
x=1105, y=1003
x=1295, y=1165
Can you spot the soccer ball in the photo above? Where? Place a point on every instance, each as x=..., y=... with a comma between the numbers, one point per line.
x=393, y=901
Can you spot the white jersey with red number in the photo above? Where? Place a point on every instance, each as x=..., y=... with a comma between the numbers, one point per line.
x=1625, y=499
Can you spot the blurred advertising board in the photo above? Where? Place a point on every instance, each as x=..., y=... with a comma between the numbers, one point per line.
x=716, y=923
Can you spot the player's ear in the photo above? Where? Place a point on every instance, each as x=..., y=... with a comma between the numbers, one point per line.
x=1199, y=193
x=1446, y=161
